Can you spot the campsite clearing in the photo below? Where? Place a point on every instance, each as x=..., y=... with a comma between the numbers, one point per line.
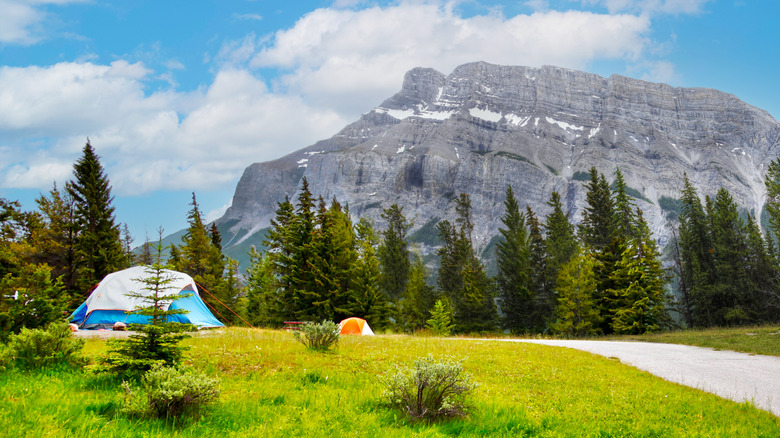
x=273, y=386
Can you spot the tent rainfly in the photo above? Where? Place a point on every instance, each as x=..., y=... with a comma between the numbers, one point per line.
x=108, y=303
x=355, y=326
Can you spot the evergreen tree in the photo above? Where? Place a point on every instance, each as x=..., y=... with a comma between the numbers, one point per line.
x=640, y=304
x=732, y=295
x=513, y=258
x=772, y=183
x=260, y=291
x=440, y=323
x=205, y=263
x=418, y=298
x=462, y=276
x=393, y=253
x=279, y=241
x=56, y=243
x=98, y=246
x=696, y=254
x=623, y=211
x=156, y=342
x=543, y=298
x=366, y=299
x=560, y=240
x=596, y=227
x=576, y=311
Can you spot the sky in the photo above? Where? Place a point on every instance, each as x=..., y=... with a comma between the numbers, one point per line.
x=179, y=96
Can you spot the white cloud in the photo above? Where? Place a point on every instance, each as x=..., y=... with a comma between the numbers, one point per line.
x=336, y=64
x=166, y=140
x=354, y=59
x=21, y=21
x=660, y=71
x=673, y=7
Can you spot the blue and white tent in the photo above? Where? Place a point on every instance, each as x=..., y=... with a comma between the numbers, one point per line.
x=108, y=303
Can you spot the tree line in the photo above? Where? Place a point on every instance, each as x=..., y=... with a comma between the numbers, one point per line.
x=605, y=275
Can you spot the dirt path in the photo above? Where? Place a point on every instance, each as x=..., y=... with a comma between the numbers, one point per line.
x=728, y=374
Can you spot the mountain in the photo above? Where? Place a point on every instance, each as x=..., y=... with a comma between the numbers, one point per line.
x=486, y=126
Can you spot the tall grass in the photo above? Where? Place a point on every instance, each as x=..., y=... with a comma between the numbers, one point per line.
x=757, y=339
x=273, y=386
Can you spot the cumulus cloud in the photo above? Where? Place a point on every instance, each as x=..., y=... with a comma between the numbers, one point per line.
x=336, y=63
x=164, y=140
x=354, y=59
x=21, y=20
x=674, y=7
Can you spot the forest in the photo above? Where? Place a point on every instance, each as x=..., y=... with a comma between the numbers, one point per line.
x=605, y=275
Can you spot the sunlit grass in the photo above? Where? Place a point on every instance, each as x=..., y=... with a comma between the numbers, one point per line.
x=272, y=386
x=757, y=339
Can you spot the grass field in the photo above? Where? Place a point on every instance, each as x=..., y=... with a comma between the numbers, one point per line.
x=758, y=340
x=272, y=386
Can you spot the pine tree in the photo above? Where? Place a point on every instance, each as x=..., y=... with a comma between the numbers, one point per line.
x=696, y=254
x=98, y=246
x=418, y=298
x=393, y=253
x=640, y=304
x=462, y=276
x=260, y=291
x=205, y=263
x=56, y=243
x=560, y=240
x=577, y=314
x=156, y=342
x=623, y=211
x=440, y=323
x=596, y=227
x=513, y=258
x=542, y=294
x=772, y=183
x=279, y=241
x=366, y=298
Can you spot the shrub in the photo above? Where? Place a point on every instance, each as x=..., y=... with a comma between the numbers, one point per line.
x=318, y=337
x=170, y=392
x=430, y=390
x=41, y=348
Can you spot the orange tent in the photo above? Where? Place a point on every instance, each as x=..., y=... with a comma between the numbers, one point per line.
x=355, y=326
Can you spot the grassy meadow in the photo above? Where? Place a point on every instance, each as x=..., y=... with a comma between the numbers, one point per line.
x=272, y=386
x=758, y=340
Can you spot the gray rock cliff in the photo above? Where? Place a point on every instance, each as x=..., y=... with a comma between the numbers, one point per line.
x=539, y=129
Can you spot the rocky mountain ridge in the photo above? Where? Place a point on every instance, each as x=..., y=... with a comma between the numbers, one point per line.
x=486, y=126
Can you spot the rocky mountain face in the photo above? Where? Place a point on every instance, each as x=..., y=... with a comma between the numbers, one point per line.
x=486, y=126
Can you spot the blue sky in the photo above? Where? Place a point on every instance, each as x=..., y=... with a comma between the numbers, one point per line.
x=180, y=97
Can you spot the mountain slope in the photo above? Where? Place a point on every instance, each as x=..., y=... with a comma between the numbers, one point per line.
x=539, y=129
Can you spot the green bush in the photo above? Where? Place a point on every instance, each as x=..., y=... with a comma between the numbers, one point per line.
x=170, y=393
x=430, y=390
x=440, y=323
x=316, y=336
x=41, y=348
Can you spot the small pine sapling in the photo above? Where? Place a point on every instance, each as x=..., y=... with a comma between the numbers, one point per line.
x=440, y=323
x=157, y=341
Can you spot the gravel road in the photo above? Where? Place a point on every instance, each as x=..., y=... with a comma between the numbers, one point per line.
x=728, y=374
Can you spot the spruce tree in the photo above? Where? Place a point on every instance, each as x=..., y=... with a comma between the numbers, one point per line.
x=640, y=304
x=418, y=297
x=156, y=342
x=393, y=253
x=365, y=298
x=98, y=246
x=513, y=258
x=542, y=294
x=772, y=183
x=56, y=243
x=577, y=312
x=260, y=291
x=560, y=239
x=204, y=262
x=597, y=218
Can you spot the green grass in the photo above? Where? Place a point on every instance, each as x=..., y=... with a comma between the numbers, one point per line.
x=758, y=340
x=272, y=386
